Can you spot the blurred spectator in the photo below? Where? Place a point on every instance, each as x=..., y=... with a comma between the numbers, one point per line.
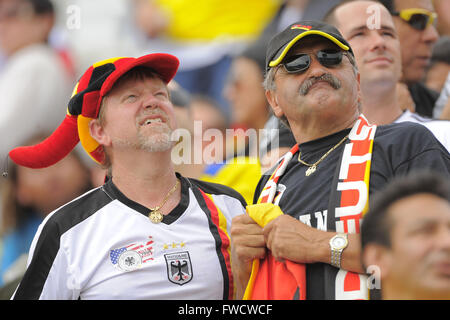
x=440, y=65
x=182, y=100
x=443, y=10
x=417, y=35
x=249, y=106
x=442, y=107
x=28, y=196
x=95, y=30
x=222, y=160
x=203, y=36
x=378, y=57
x=405, y=238
x=244, y=90
x=296, y=10
x=34, y=82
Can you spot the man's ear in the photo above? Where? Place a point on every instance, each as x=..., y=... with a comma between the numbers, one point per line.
x=98, y=132
x=272, y=98
x=375, y=255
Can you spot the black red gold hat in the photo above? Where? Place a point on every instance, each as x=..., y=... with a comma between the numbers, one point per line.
x=84, y=106
x=281, y=43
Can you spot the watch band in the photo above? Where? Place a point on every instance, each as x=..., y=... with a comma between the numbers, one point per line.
x=336, y=257
x=336, y=252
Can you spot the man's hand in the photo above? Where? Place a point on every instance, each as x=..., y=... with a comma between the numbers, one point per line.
x=247, y=243
x=289, y=239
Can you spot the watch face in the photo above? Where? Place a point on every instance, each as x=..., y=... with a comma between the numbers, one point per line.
x=339, y=242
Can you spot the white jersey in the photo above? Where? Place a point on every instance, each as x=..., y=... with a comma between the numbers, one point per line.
x=440, y=128
x=102, y=245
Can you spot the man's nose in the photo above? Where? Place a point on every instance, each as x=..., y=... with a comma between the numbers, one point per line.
x=316, y=69
x=378, y=42
x=150, y=101
x=430, y=34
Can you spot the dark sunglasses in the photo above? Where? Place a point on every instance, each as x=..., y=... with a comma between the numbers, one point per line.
x=417, y=18
x=301, y=62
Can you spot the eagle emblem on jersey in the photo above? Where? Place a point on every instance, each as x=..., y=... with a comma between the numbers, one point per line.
x=179, y=267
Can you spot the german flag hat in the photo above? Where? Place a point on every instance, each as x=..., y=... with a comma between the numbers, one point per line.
x=84, y=106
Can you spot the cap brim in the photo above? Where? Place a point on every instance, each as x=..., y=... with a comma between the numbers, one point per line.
x=291, y=43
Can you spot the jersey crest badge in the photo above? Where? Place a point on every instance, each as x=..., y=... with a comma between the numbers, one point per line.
x=179, y=267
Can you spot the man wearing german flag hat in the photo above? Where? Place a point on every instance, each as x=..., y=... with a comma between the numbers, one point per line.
x=300, y=240
x=148, y=232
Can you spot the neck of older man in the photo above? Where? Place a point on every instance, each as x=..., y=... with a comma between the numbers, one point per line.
x=379, y=101
x=146, y=178
x=312, y=128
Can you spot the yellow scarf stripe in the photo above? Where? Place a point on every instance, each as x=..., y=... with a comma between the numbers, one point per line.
x=367, y=178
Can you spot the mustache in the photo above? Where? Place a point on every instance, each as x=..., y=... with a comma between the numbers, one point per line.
x=152, y=112
x=334, y=82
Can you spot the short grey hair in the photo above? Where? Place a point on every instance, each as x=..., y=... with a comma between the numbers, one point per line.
x=269, y=79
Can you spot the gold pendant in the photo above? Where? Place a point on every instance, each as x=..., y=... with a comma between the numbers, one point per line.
x=155, y=216
x=310, y=171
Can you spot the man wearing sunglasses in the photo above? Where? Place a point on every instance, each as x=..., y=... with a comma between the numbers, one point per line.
x=304, y=226
x=415, y=23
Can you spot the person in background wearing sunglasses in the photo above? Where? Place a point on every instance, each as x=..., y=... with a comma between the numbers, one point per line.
x=415, y=24
x=378, y=56
x=308, y=208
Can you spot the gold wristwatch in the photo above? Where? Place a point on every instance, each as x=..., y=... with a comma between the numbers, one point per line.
x=337, y=244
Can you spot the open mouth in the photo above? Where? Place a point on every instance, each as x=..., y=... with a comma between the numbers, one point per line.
x=152, y=120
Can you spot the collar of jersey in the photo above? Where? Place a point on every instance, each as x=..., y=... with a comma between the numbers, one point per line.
x=111, y=189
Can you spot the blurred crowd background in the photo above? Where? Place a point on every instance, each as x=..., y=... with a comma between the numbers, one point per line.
x=45, y=46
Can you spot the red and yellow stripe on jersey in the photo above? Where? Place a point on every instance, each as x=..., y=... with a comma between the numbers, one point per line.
x=223, y=248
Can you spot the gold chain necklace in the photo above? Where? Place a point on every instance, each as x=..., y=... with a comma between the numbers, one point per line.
x=155, y=215
x=312, y=167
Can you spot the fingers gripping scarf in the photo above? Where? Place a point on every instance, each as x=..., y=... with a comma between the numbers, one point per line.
x=274, y=280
